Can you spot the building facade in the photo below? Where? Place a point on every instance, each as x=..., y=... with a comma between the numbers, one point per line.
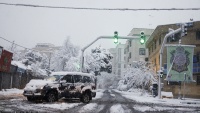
x=134, y=50
x=118, y=62
x=193, y=38
x=46, y=48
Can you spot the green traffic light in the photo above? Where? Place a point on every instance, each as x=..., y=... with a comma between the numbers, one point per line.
x=115, y=40
x=142, y=37
x=142, y=41
x=115, y=37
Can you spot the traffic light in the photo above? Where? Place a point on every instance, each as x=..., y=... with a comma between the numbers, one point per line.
x=184, y=30
x=115, y=37
x=142, y=38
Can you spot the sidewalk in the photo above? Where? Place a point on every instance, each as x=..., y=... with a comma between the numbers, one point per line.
x=11, y=94
x=190, y=101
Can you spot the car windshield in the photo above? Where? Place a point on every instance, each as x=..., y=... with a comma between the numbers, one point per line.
x=53, y=78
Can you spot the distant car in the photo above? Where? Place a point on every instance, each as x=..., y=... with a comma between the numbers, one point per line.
x=62, y=84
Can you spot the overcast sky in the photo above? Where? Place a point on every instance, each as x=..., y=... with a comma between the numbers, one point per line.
x=28, y=26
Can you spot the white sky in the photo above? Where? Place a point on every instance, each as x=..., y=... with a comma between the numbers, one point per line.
x=28, y=26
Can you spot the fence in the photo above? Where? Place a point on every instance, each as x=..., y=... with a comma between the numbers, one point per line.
x=15, y=79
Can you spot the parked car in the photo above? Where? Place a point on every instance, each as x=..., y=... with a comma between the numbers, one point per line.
x=62, y=84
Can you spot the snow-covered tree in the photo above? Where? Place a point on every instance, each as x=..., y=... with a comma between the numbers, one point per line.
x=99, y=60
x=138, y=76
x=107, y=80
x=62, y=59
x=72, y=64
x=17, y=54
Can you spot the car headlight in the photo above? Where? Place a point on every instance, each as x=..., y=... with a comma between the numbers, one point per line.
x=39, y=87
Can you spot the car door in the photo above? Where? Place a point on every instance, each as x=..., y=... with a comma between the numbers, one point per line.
x=66, y=86
x=78, y=82
x=86, y=80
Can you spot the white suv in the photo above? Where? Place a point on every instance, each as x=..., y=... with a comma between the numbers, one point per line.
x=62, y=84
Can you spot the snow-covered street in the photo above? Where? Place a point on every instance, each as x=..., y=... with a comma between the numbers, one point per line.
x=106, y=101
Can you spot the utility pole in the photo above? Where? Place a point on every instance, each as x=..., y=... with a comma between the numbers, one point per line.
x=161, y=52
x=12, y=45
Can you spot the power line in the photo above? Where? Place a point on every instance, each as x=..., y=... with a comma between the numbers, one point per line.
x=109, y=9
x=16, y=44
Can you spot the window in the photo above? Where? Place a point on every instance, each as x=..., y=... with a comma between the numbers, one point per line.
x=141, y=51
x=160, y=40
x=198, y=80
x=130, y=43
x=174, y=83
x=86, y=79
x=119, y=54
x=119, y=65
x=129, y=55
x=149, y=51
x=68, y=78
x=154, y=44
x=119, y=72
x=198, y=35
x=125, y=51
x=77, y=78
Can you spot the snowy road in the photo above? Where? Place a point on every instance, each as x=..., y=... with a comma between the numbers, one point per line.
x=109, y=102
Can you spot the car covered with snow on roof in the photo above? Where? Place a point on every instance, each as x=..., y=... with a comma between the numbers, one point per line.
x=62, y=84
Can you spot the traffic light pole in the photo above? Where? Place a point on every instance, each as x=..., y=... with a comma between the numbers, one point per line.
x=103, y=37
x=161, y=52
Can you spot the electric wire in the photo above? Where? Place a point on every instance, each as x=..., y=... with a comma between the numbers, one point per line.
x=17, y=44
x=102, y=9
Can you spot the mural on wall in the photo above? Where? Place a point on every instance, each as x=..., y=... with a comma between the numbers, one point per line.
x=180, y=62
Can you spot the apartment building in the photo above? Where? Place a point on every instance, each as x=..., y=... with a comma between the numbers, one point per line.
x=118, y=62
x=134, y=50
x=193, y=38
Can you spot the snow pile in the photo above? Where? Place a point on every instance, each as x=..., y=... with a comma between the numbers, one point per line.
x=139, y=76
x=166, y=94
x=88, y=108
x=143, y=108
x=13, y=91
x=99, y=94
x=60, y=106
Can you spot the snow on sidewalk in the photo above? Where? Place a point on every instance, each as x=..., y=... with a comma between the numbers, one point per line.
x=146, y=98
x=10, y=93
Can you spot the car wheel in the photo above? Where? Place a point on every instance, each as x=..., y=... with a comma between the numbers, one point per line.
x=51, y=97
x=85, y=98
x=30, y=98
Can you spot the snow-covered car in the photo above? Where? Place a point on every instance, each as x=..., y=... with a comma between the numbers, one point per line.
x=62, y=84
